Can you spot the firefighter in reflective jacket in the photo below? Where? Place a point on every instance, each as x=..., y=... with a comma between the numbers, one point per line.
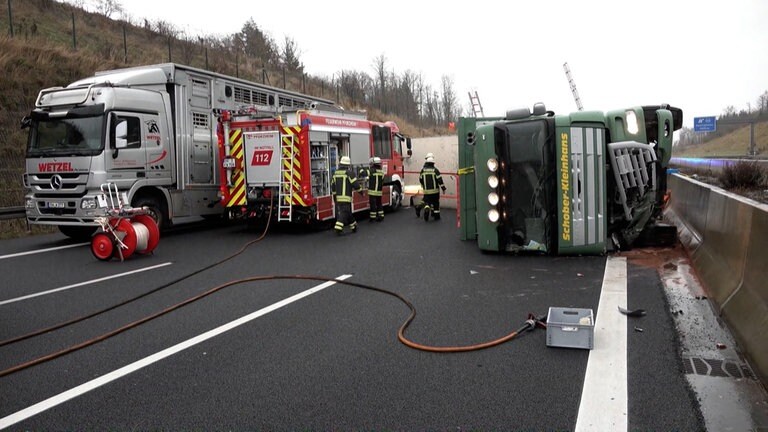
x=375, y=185
x=342, y=184
x=431, y=182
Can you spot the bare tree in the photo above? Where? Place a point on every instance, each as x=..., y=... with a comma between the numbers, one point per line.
x=188, y=48
x=729, y=111
x=256, y=43
x=380, y=68
x=421, y=98
x=407, y=96
x=448, y=100
x=356, y=86
x=290, y=55
x=762, y=103
x=108, y=7
x=165, y=28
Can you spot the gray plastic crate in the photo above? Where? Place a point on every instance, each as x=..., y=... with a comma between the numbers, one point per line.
x=570, y=328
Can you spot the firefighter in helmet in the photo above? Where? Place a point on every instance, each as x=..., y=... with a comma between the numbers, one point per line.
x=431, y=182
x=342, y=185
x=375, y=185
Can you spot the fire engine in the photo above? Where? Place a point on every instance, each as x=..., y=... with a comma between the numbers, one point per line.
x=282, y=163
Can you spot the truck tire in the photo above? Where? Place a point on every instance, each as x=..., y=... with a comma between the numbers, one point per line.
x=78, y=232
x=156, y=210
x=397, y=197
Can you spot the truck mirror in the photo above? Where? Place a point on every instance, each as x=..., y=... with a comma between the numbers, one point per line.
x=26, y=122
x=118, y=134
x=121, y=134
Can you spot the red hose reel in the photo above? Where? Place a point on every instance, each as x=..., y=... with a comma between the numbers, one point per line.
x=124, y=230
x=124, y=237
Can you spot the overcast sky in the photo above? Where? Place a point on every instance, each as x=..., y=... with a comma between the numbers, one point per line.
x=701, y=56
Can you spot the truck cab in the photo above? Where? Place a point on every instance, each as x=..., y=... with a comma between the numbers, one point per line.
x=579, y=183
x=84, y=136
x=389, y=144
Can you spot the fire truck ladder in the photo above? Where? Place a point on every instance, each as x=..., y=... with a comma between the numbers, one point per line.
x=477, y=108
x=285, y=202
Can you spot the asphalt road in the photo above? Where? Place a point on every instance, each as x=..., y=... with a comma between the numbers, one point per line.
x=251, y=356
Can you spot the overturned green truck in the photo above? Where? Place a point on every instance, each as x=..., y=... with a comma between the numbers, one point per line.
x=581, y=183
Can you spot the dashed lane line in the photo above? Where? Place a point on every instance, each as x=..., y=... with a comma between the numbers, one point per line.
x=147, y=361
x=32, y=252
x=79, y=284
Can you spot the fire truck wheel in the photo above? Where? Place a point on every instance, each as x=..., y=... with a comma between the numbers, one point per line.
x=129, y=240
x=156, y=210
x=102, y=246
x=397, y=197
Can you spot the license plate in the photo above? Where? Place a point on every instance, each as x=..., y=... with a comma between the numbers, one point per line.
x=228, y=162
x=54, y=204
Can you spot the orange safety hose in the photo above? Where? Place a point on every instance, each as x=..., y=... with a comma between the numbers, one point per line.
x=400, y=334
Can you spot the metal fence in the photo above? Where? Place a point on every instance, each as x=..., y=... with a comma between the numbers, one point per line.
x=11, y=176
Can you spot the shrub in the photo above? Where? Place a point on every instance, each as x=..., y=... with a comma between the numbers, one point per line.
x=743, y=175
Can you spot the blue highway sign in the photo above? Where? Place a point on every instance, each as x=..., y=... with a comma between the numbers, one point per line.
x=704, y=124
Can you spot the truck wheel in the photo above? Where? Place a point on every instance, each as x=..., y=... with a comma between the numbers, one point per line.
x=156, y=210
x=397, y=197
x=78, y=232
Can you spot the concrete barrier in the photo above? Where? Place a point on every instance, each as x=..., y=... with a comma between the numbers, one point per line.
x=727, y=238
x=446, y=151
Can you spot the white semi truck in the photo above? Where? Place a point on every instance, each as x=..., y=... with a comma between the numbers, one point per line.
x=150, y=130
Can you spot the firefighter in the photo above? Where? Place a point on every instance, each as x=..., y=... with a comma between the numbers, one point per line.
x=431, y=182
x=375, y=184
x=342, y=184
x=364, y=172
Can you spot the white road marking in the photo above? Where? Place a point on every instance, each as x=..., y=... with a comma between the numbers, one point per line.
x=133, y=367
x=41, y=251
x=604, y=405
x=79, y=284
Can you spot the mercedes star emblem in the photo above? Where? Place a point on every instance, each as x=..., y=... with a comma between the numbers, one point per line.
x=56, y=182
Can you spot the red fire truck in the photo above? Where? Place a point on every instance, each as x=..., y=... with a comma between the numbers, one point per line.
x=282, y=164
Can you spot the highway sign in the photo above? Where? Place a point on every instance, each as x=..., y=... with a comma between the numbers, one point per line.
x=704, y=124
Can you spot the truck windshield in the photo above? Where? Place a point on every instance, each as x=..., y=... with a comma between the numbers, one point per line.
x=65, y=136
x=524, y=148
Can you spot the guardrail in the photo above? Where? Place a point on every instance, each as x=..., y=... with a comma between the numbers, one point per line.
x=715, y=165
x=12, y=212
x=726, y=238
